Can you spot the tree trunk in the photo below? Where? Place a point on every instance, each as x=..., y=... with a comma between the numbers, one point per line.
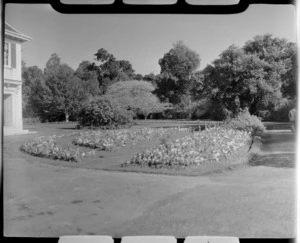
x=67, y=117
x=145, y=116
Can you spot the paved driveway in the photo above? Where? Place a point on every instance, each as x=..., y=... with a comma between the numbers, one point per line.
x=255, y=201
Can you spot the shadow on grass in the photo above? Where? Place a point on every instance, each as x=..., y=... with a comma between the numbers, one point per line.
x=278, y=160
x=68, y=128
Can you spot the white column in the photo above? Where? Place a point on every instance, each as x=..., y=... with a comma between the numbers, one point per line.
x=18, y=108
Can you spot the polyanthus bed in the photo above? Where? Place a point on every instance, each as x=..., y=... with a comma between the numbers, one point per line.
x=201, y=147
x=108, y=140
x=209, y=146
x=46, y=146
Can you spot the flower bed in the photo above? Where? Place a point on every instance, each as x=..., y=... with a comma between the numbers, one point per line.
x=46, y=146
x=108, y=140
x=209, y=146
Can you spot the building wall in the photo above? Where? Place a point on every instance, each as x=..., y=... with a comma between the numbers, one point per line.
x=13, y=89
x=14, y=73
x=16, y=98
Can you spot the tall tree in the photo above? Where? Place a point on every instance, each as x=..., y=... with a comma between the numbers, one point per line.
x=58, y=78
x=177, y=67
x=289, y=87
x=111, y=70
x=180, y=61
x=36, y=95
x=249, y=77
x=238, y=80
x=138, y=76
x=88, y=75
x=279, y=54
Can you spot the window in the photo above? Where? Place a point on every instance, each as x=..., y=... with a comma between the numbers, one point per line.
x=6, y=55
x=10, y=55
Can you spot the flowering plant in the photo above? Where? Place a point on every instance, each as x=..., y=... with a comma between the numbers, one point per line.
x=46, y=146
x=108, y=140
x=198, y=148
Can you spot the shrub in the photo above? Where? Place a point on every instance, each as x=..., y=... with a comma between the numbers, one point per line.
x=137, y=96
x=105, y=113
x=245, y=121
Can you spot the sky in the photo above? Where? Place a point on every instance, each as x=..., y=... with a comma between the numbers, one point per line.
x=141, y=39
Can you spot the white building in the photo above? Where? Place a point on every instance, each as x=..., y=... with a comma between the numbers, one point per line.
x=12, y=85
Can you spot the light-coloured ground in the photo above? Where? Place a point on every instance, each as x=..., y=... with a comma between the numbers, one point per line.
x=50, y=201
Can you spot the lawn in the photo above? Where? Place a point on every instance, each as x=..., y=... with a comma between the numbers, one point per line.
x=113, y=159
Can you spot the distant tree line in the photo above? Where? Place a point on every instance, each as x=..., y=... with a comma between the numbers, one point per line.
x=259, y=77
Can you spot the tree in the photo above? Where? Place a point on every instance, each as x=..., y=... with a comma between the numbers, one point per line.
x=137, y=96
x=289, y=86
x=281, y=56
x=59, y=79
x=138, y=77
x=36, y=95
x=79, y=91
x=111, y=70
x=251, y=77
x=152, y=78
x=168, y=89
x=238, y=80
x=88, y=76
x=177, y=67
x=180, y=61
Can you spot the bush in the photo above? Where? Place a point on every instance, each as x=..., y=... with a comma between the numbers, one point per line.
x=245, y=121
x=104, y=113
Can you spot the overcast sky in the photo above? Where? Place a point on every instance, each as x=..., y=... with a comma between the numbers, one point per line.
x=141, y=39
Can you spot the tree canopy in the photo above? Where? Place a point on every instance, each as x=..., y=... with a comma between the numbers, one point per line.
x=177, y=67
x=68, y=88
x=137, y=96
x=111, y=70
x=250, y=77
x=180, y=61
x=36, y=95
x=260, y=76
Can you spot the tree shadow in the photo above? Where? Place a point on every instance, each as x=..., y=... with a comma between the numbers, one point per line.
x=269, y=138
x=68, y=128
x=278, y=160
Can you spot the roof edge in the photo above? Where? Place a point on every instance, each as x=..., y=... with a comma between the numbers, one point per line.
x=16, y=33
